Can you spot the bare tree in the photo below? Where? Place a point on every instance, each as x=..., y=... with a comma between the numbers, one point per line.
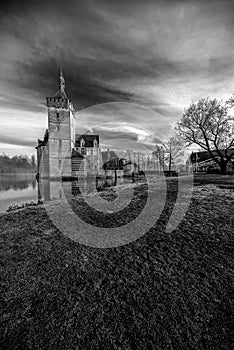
x=33, y=161
x=174, y=148
x=208, y=124
x=159, y=154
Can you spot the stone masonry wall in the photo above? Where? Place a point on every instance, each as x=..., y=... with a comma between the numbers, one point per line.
x=61, y=140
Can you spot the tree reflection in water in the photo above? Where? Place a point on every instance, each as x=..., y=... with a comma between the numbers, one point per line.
x=16, y=182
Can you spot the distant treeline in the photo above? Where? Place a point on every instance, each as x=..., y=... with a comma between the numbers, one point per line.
x=17, y=164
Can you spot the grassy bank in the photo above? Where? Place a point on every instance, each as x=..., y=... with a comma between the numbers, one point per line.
x=163, y=291
x=215, y=179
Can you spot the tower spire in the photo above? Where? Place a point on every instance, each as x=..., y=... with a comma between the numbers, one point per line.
x=61, y=83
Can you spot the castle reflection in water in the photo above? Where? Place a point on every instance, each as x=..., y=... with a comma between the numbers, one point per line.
x=49, y=189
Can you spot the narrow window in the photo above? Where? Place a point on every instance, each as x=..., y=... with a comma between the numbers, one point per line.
x=82, y=142
x=83, y=151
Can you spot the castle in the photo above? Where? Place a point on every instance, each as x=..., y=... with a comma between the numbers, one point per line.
x=62, y=153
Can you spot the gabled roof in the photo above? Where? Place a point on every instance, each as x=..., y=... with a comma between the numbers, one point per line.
x=106, y=157
x=204, y=155
x=44, y=141
x=88, y=140
x=76, y=154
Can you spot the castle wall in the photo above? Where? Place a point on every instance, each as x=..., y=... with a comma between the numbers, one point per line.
x=61, y=139
x=43, y=161
x=44, y=189
x=79, y=167
x=58, y=169
x=92, y=162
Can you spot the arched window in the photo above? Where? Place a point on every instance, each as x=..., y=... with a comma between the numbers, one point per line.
x=95, y=144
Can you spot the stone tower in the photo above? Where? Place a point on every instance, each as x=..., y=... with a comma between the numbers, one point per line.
x=61, y=128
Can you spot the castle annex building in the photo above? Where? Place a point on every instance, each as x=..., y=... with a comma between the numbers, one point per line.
x=63, y=153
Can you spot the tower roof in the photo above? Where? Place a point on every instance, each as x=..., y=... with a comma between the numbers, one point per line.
x=61, y=83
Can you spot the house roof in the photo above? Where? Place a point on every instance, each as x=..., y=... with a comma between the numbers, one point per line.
x=88, y=140
x=204, y=155
x=106, y=157
x=76, y=154
x=44, y=141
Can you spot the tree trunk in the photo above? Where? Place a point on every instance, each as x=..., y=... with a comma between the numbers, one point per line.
x=223, y=168
x=170, y=159
x=115, y=177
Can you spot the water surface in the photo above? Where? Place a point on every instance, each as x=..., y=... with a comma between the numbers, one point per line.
x=17, y=188
x=24, y=188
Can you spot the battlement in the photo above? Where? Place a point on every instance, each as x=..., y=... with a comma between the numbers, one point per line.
x=57, y=102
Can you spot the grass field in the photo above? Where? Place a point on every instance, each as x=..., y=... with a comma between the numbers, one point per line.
x=219, y=180
x=163, y=291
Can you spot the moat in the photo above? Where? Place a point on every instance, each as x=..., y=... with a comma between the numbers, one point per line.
x=18, y=188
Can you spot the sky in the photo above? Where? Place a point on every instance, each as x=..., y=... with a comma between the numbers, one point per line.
x=131, y=67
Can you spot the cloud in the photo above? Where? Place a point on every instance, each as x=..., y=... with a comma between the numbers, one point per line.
x=17, y=141
x=120, y=123
x=158, y=54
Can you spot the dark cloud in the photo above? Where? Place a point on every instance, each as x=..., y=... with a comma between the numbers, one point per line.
x=161, y=54
x=82, y=88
